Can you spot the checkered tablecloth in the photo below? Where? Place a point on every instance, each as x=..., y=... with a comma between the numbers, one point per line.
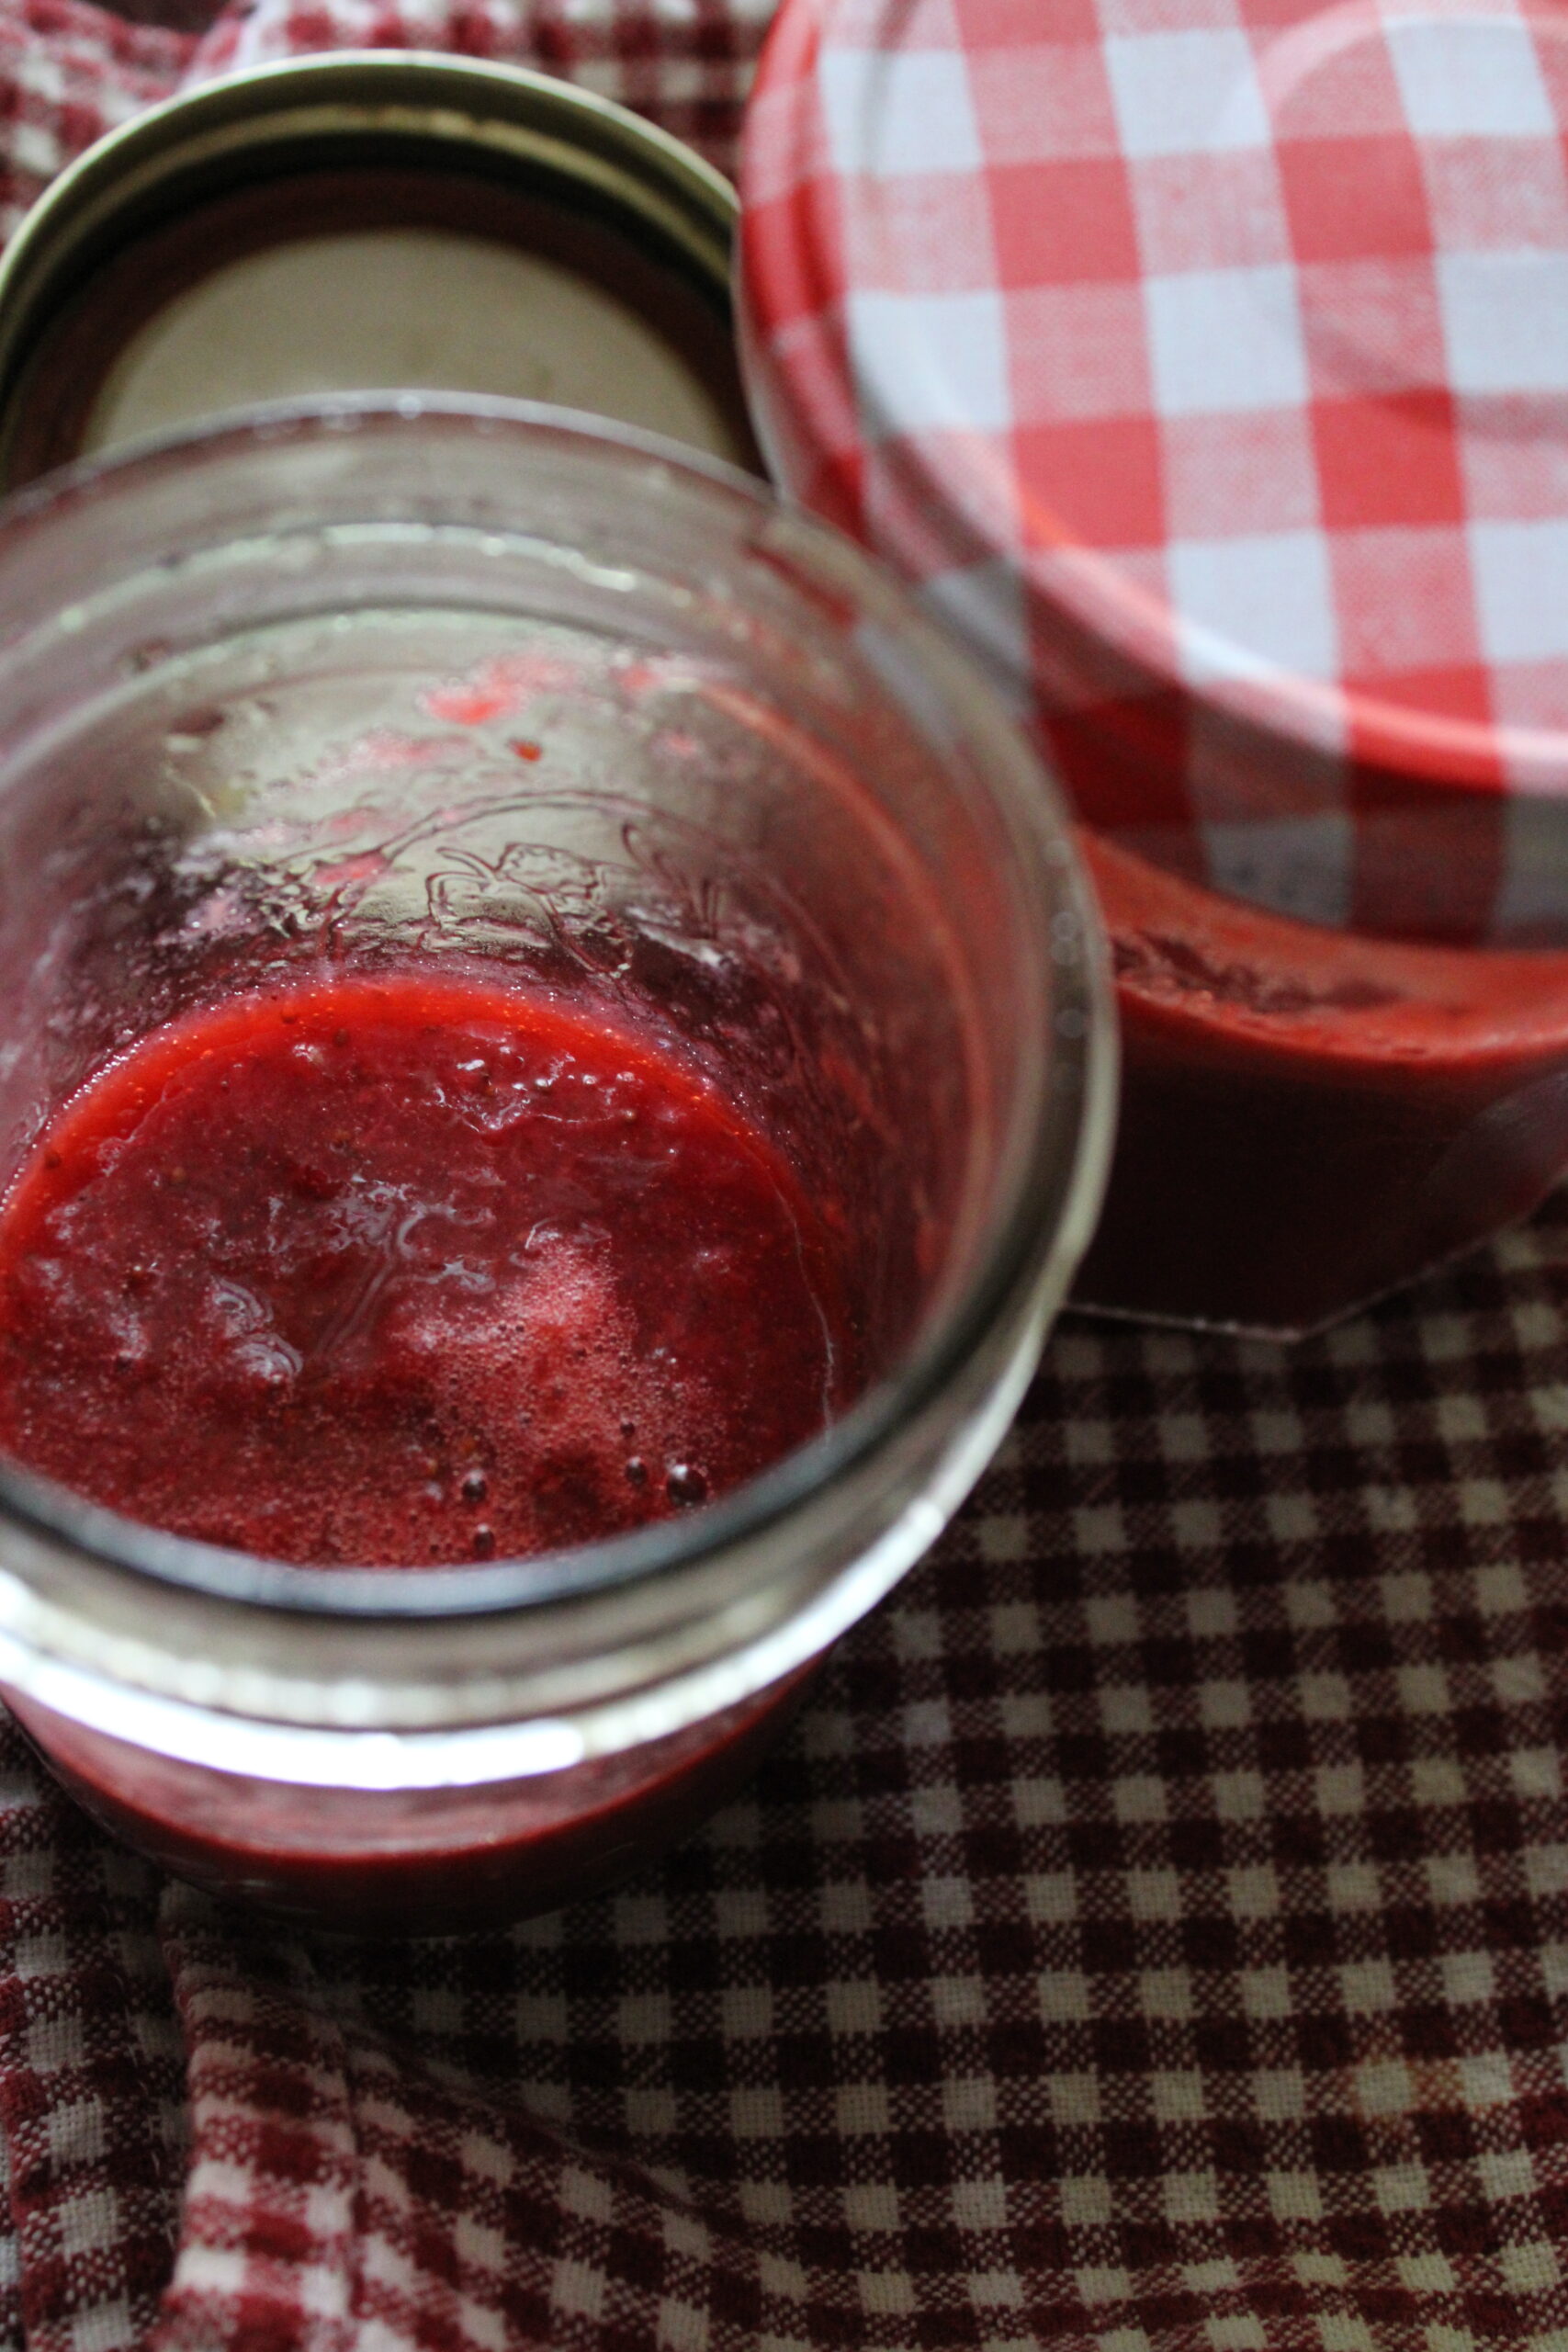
x=1205, y=361
x=1154, y=1938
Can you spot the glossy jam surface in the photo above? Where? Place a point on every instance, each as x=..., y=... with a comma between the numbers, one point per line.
x=406, y=1271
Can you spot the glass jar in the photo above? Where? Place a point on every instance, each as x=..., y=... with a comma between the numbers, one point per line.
x=397, y=678
x=1164, y=416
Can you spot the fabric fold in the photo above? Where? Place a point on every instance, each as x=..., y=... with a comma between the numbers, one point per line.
x=91, y=2075
x=269, y=2256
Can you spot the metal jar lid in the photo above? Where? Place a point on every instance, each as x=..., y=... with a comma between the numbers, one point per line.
x=335, y=145
x=1205, y=362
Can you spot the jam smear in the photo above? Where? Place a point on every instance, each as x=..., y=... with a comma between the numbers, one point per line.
x=407, y=1271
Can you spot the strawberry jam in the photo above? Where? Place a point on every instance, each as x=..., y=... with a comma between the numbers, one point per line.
x=406, y=1271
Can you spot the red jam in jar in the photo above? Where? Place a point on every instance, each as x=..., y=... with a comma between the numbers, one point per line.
x=406, y=1271
x=409, y=1271
x=427, y=1863
x=553, y=1069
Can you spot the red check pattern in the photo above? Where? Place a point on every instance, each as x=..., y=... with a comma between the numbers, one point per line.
x=1154, y=1938
x=687, y=64
x=1204, y=360
x=69, y=71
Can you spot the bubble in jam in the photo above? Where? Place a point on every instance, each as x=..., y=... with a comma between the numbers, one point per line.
x=388, y=1271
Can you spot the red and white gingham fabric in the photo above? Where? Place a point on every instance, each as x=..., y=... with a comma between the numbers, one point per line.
x=688, y=64
x=1153, y=1938
x=69, y=71
x=1207, y=361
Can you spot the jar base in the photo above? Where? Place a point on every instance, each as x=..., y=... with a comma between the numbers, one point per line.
x=412, y=1888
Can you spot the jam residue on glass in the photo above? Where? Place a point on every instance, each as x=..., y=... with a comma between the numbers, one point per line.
x=408, y=1269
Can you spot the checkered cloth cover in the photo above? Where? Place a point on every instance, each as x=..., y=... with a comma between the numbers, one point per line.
x=1153, y=1938
x=1207, y=361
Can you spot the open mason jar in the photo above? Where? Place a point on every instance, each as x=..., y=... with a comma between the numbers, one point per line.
x=465, y=683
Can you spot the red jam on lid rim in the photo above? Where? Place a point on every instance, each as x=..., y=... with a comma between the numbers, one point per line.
x=1205, y=361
